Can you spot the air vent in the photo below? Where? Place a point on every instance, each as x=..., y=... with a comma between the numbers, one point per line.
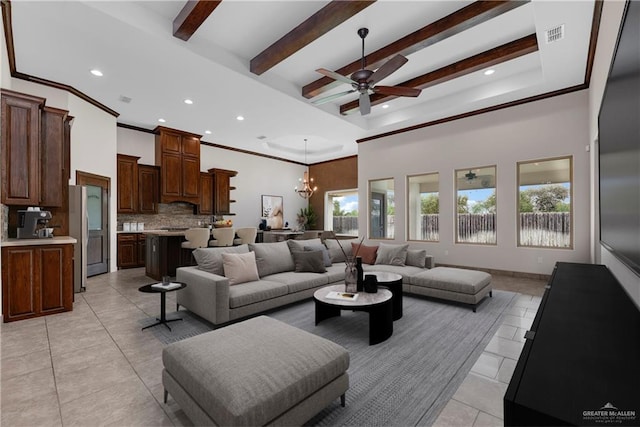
x=555, y=34
x=261, y=137
x=124, y=99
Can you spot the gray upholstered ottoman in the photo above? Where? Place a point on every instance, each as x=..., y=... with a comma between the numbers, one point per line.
x=253, y=373
x=454, y=284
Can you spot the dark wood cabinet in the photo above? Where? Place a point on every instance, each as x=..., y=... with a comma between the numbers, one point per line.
x=148, y=191
x=127, y=184
x=163, y=255
x=131, y=250
x=222, y=191
x=21, y=148
x=206, y=194
x=52, y=158
x=36, y=281
x=178, y=155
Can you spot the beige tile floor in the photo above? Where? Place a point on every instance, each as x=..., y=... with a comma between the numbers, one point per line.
x=94, y=366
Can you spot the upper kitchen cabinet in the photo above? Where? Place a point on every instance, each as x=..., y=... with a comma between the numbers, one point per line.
x=206, y=194
x=148, y=192
x=222, y=191
x=21, y=148
x=127, y=184
x=54, y=164
x=178, y=155
x=35, y=152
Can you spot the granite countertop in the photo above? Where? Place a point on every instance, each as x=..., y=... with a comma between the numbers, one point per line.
x=55, y=240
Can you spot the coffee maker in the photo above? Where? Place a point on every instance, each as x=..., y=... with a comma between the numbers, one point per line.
x=32, y=224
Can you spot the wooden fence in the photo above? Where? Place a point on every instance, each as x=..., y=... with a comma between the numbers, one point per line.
x=345, y=225
x=477, y=228
x=548, y=229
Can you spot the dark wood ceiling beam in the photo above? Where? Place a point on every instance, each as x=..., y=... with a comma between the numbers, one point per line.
x=327, y=18
x=489, y=58
x=455, y=23
x=192, y=15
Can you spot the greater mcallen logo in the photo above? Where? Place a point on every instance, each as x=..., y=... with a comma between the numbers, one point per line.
x=609, y=414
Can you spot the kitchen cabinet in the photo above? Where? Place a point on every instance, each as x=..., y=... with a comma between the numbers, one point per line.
x=148, y=191
x=222, y=191
x=53, y=175
x=178, y=155
x=206, y=194
x=36, y=280
x=127, y=184
x=163, y=254
x=131, y=250
x=20, y=148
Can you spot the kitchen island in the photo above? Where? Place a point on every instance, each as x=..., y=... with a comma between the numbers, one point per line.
x=164, y=253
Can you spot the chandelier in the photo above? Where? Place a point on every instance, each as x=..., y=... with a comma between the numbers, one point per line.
x=305, y=191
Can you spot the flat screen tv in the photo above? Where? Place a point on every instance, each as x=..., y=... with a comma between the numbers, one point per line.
x=619, y=142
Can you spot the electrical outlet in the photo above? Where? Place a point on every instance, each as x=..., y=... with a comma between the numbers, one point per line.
x=539, y=260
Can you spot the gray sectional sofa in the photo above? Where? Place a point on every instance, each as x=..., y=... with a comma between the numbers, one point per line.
x=290, y=271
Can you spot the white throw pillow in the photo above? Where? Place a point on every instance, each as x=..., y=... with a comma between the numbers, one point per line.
x=240, y=268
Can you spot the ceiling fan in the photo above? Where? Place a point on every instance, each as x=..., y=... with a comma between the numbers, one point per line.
x=364, y=81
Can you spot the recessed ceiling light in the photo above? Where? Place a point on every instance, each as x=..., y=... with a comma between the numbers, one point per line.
x=188, y=101
x=240, y=118
x=96, y=72
x=161, y=120
x=208, y=132
x=489, y=72
x=385, y=106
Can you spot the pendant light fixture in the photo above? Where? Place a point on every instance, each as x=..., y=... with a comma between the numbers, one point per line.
x=305, y=191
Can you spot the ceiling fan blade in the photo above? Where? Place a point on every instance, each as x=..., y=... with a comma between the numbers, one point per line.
x=331, y=97
x=365, y=104
x=397, y=91
x=387, y=68
x=335, y=76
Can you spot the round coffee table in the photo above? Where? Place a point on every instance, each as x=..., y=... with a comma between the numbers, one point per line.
x=163, y=302
x=393, y=282
x=378, y=305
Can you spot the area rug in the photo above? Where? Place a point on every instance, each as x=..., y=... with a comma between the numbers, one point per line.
x=403, y=381
x=409, y=378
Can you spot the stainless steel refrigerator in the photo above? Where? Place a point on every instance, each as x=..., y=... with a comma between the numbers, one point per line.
x=79, y=229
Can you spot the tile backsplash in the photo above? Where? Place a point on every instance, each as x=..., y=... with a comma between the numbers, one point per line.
x=169, y=215
x=4, y=223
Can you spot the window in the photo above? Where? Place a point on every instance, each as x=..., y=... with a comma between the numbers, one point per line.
x=381, y=209
x=476, y=205
x=342, y=212
x=424, y=207
x=544, y=203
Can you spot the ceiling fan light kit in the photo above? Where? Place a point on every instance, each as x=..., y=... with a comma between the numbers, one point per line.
x=364, y=81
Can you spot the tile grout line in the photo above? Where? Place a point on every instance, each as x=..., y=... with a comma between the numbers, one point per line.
x=53, y=371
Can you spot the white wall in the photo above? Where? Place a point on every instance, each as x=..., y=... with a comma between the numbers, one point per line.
x=549, y=128
x=256, y=176
x=609, y=27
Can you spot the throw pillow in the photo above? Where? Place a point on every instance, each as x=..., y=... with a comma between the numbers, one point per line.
x=210, y=259
x=240, y=268
x=309, y=261
x=325, y=253
x=335, y=252
x=272, y=257
x=392, y=254
x=416, y=258
x=298, y=245
x=368, y=253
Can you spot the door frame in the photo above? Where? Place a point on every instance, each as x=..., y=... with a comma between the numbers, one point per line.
x=104, y=182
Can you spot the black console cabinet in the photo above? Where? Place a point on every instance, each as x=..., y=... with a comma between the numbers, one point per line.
x=581, y=361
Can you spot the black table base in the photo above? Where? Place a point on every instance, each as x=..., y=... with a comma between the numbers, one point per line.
x=380, y=317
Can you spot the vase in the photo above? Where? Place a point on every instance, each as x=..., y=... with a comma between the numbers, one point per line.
x=350, y=276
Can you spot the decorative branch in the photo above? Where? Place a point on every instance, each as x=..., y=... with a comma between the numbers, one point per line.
x=343, y=252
